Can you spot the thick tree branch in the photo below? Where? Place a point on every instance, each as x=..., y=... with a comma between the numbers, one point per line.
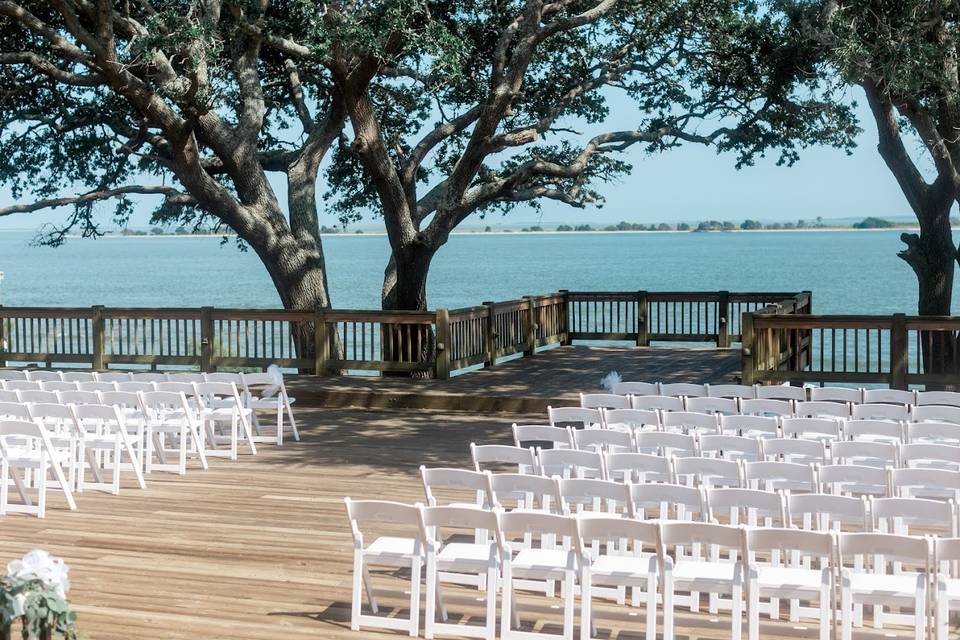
x=172, y=195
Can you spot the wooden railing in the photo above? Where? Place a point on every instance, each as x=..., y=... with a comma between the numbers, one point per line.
x=897, y=350
x=332, y=341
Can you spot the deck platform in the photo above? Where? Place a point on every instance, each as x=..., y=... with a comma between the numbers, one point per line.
x=553, y=376
x=260, y=549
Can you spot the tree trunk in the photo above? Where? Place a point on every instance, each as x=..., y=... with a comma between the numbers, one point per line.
x=405, y=289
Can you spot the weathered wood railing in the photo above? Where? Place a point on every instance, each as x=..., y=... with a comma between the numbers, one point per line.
x=434, y=342
x=897, y=350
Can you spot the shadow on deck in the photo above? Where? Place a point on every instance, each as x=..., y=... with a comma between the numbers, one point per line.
x=527, y=385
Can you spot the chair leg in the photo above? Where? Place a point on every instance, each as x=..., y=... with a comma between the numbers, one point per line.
x=846, y=613
x=753, y=611
x=942, y=616
x=668, y=607
x=736, y=611
x=920, y=610
x=491, y=626
x=58, y=474
x=42, y=472
x=430, y=607
x=506, y=602
x=356, y=599
x=651, y=606
x=293, y=422
x=825, y=611
x=279, y=423
x=415, y=570
x=586, y=603
x=5, y=487
x=569, y=583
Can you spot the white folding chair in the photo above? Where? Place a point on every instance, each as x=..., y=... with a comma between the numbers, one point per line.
x=638, y=467
x=694, y=573
x=97, y=386
x=723, y=406
x=947, y=595
x=525, y=435
x=546, y=562
x=889, y=396
x=12, y=374
x=669, y=501
x=604, y=401
x=58, y=422
x=170, y=417
x=263, y=391
x=935, y=413
x=603, y=440
x=511, y=491
x=148, y=376
x=636, y=388
x=220, y=406
x=933, y=432
x=687, y=422
x=570, y=463
x=926, y=455
x=393, y=552
x=112, y=376
x=667, y=444
x=781, y=392
x=631, y=420
x=197, y=377
x=878, y=411
x=684, y=389
x=656, y=403
x=134, y=419
x=25, y=450
x=494, y=457
x=925, y=483
x=225, y=376
x=460, y=563
x=823, y=429
x=942, y=398
x=39, y=375
x=874, y=585
x=853, y=480
x=574, y=417
x=78, y=376
x=585, y=497
x=8, y=396
x=707, y=472
x=735, y=391
x=102, y=431
x=456, y=487
x=136, y=386
x=21, y=385
x=780, y=476
x=794, y=450
x=33, y=395
x=78, y=397
x=796, y=579
x=827, y=512
x=822, y=409
x=14, y=411
x=750, y=426
x=869, y=454
x=730, y=447
x=874, y=430
x=634, y=564
x=58, y=385
x=836, y=394
x=766, y=407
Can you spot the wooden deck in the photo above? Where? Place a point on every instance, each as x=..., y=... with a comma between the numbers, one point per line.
x=554, y=376
x=260, y=549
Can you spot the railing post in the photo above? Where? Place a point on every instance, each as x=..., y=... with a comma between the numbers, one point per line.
x=99, y=329
x=490, y=337
x=643, y=330
x=565, y=334
x=723, y=320
x=748, y=350
x=530, y=327
x=442, y=364
x=206, y=340
x=3, y=341
x=321, y=343
x=899, y=351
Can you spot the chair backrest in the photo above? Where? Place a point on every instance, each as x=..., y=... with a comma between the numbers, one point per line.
x=773, y=476
x=892, y=548
x=124, y=399
x=747, y=506
x=21, y=385
x=672, y=501
x=930, y=456
x=225, y=376
x=690, y=422
x=822, y=409
x=750, y=426
x=8, y=396
x=666, y=444
x=811, y=428
x=879, y=411
x=730, y=447
x=12, y=374
x=186, y=388
x=636, y=388
x=691, y=535
x=731, y=391
x=23, y=428
x=728, y=406
x=113, y=376
x=946, y=553
x=925, y=483
x=604, y=401
x=148, y=376
x=707, y=472
x=796, y=542
x=585, y=494
x=437, y=519
x=49, y=397
x=638, y=467
x=136, y=387
x=901, y=515
x=97, y=386
x=102, y=413
x=382, y=512
x=51, y=411
x=943, y=398
x=78, y=376
x=492, y=456
x=827, y=512
x=440, y=483
x=38, y=375
x=936, y=432
x=570, y=463
x=884, y=430
x=79, y=397
x=195, y=377
x=936, y=413
x=154, y=402
x=217, y=391
x=532, y=492
x=836, y=394
x=853, y=480
x=870, y=454
x=631, y=419
x=537, y=524
x=14, y=411
x=603, y=440
x=639, y=534
x=781, y=392
x=685, y=389
x=794, y=450
x=570, y=416
x=536, y=434
x=656, y=403
x=58, y=385
x=889, y=396
x=766, y=407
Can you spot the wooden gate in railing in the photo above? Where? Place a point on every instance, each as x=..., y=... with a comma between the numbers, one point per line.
x=887, y=350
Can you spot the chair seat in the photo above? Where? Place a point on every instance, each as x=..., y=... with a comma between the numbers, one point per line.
x=703, y=571
x=953, y=588
x=539, y=560
x=391, y=551
x=902, y=585
x=789, y=578
x=619, y=569
x=464, y=556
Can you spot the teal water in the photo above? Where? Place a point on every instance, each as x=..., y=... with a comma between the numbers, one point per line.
x=848, y=272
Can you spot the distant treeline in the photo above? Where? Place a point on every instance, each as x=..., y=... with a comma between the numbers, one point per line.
x=870, y=222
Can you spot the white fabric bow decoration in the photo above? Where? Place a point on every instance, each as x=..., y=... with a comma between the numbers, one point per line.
x=40, y=565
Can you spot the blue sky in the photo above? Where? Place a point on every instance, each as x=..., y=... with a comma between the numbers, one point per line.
x=693, y=183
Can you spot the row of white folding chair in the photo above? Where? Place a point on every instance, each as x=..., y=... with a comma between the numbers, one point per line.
x=215, y=405
x=802, y=565
x=257, y=390
x=787, y=392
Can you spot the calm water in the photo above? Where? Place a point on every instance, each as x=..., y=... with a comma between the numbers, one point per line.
x=848, y=272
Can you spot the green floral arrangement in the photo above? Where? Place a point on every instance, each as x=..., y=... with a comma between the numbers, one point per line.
x=34, y=591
